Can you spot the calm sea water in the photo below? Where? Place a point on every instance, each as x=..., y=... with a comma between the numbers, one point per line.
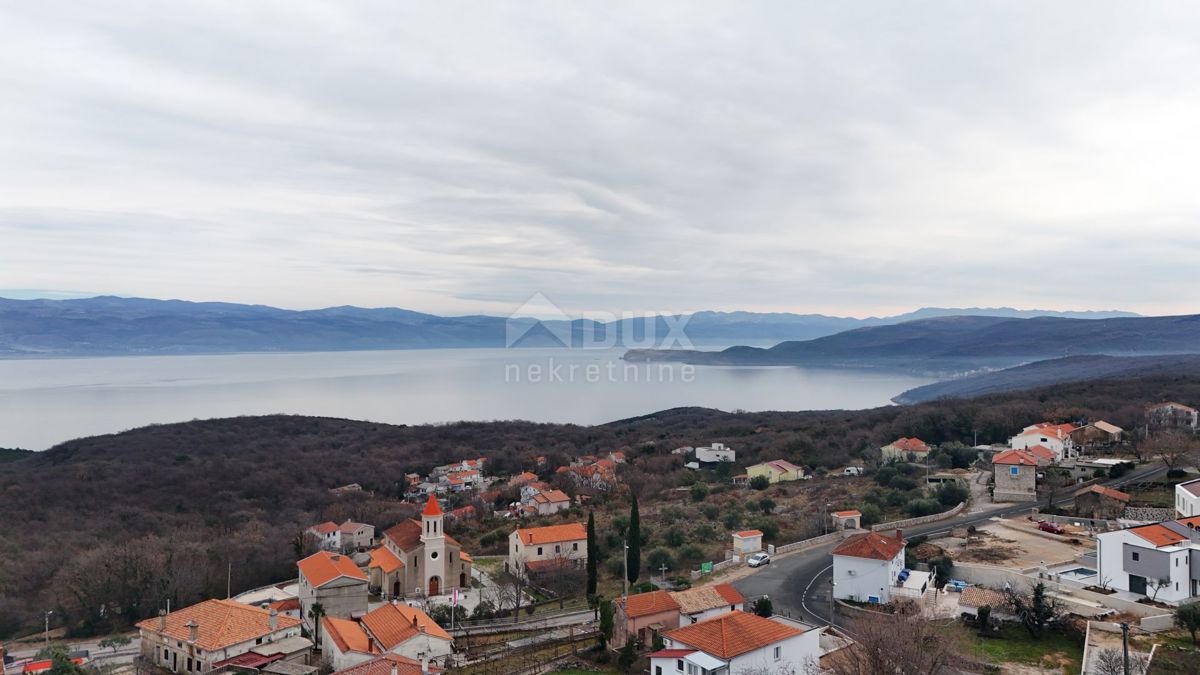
x=44, y=402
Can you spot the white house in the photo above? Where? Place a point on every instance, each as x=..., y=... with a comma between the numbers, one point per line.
x=203, y=636
x=1160, y=561
x=706, y=602
x=1187, y=498
x=335, y=582
x=747, y=542
x=717, y=452
x=866, y=566
x=737, y=642
x=1054, y=437
x=534, y=549
x=389, y=629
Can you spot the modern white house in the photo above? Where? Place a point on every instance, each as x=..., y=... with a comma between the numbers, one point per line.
x=1160, y=561
x=1054, y=437
x=712, y=454
x=1187, y=498
x=737, y=642
x=867, y=566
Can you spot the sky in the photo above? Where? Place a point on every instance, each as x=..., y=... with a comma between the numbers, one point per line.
x=846, y=158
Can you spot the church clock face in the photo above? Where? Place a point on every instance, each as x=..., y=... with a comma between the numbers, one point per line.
x=433, y=555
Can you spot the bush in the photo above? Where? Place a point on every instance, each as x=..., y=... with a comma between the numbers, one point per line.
x=675, y=537
x=659, y=557
x=769, y=528
x=766, y=504
x=871, y=514
x=1176, y=473
x=711, y=511
x=643, y=587
x=484, y=610
x=923, y=507
x=763, y=607
x=903, y=484
x=885, y=475
x=691, y=554
x=699, y=491
x=760, y=483
x=950, y=494
x=1118, y=470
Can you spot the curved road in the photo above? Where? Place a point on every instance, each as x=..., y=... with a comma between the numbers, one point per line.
x=798, y=584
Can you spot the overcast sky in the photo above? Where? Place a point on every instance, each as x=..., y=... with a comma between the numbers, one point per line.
x=849, y=158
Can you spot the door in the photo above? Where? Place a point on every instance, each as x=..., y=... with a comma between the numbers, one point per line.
x=396, y=588
x=435, y=585
x=462, y=580
x=1137, y=584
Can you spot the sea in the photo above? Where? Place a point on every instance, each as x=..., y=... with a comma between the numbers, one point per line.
x=44, y=402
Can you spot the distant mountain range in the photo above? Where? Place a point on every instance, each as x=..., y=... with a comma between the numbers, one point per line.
x=109, y=325
x=1055, y=371
x=951, y=344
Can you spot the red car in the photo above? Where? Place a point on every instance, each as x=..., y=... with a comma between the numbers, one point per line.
x=1046, y=526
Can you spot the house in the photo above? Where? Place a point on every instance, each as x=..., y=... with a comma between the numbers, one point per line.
x=1172, y=415
x=846, y=520
x=618, y=456
x=522, y=479
x=390, y=664
x=866, y=566
x=287, y=607
x=714, y=454
x=852, y=471
x=356, y=536
x=904, y=449
x=327, y=535
x=747, y=542
x=196, y=639
x=434, y=562
x=1014, y=476
x=1054, y=437
x=463, y=465
x=1097, y=433
x=1044, y=456
x=1097, y=501
x=1160, y=560
x=643, y=617
x=705, y=602
x=737, y=642
x=776, y=471
x=1187, y=498
x=385, y=572
x=534, y=549
x=334, y=581
x=389, y=629
x=551, y=502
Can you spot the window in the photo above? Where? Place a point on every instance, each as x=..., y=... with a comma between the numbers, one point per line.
x=1136, y=556
x=258, y=641
x=575, y=546
x=657, y=670
x=679, y=665
x=692, y=669
x=1013, y=470
x=189, y=667
x=539, y=550
x=777, y=653
x=166, y=654
x=433, y=555
x=558, y=548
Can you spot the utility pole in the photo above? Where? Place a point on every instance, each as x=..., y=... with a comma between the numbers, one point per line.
x=47, y=634
x=1125, y=644
x=832, y=602
x=229, y=581
x=625, y=574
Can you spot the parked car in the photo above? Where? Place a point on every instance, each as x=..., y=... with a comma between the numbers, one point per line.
x=1047, y=526
x=758, y=559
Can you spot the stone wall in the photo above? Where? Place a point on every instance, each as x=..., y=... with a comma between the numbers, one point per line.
x=920, y=520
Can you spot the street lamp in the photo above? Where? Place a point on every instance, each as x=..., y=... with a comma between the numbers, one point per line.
x=47, y=634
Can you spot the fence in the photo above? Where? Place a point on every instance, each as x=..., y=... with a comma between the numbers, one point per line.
x=1080, y=600
x=524, y=621
x=533, y=658
x=920, y=520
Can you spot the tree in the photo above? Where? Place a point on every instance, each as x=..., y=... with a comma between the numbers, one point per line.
x=984, y=618
x=1036, y=612
x=902, y=643
x=633, y=560
x=627, y=655
x=1173, y=448
x=1157, y=585
x=763, y=607
x=592, y=554
x=760, y=482
x=315, y=612
x=115, y=642
x=699, y=491
x=606, y=622
x=1188, y=617
x=60, y=661
x=1112, y=662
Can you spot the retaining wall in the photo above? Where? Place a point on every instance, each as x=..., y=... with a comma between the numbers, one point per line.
x=920, y=520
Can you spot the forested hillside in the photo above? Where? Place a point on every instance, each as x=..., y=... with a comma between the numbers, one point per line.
x=132, y=519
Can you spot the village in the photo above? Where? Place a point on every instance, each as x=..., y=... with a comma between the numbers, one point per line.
x=1079, y=536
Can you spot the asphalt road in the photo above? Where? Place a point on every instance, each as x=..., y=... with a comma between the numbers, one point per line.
x=798, y=584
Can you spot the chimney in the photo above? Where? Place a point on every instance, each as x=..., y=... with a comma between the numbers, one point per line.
x=899, y=534
x=162, y=620
x=424, y=664
x=414, y=620
x=193, y=630
x=395, y=668
x=335, y=557
x=273, y=620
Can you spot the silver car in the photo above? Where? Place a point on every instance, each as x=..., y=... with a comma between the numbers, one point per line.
x=758, y=559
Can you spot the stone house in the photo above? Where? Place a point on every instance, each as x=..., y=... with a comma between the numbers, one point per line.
x=1099, y=502
x=204, y=636
x=1014, y=475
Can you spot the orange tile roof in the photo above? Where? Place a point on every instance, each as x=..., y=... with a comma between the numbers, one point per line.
x=432, y=508
x=391, y=625
x=847, y=514
x=325, y=527
x=347, y=635
x=1158, y=535
x=552, y=533
x=1193, y=522
x=220, y=623
x=645, y=604
x=704, y=598
x=462, y=555
x=288, y=605
x=385, y=560
x=748, y=533
x=911, y=445
x=1015, y=457
x=1041, y=451
x=870, y=545
x=731, y=594
x=1106, y=491
x=406, y=535
x=977, y=596
x=322, y=567
x=732, y=634
x=384, y=664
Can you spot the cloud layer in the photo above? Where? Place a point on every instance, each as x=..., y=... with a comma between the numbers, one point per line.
x=849, y=158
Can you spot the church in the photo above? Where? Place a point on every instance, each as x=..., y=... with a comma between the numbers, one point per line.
x=419, y=558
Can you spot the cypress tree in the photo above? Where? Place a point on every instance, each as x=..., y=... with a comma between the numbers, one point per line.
x=634, y=561
x=591, y=554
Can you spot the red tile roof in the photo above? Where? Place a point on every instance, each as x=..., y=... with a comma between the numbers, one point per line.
x=870, y=545
x=432, y=508
x=1106, y=491
x=911, y=445
x=670, y=653
x=732, y=634
x=1042, y=452
x=384, y=664
x=645, y=604
x=847, y=514
x=1158, y=535
x=1015, y=457
x=347, y=635
x=391, y=625
x=704, y=598
x=552, y=533
x=220, y=623
x=748, y=533
x=385, y=560
x=407, y=535
x=323, y=567
x=289, y=605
